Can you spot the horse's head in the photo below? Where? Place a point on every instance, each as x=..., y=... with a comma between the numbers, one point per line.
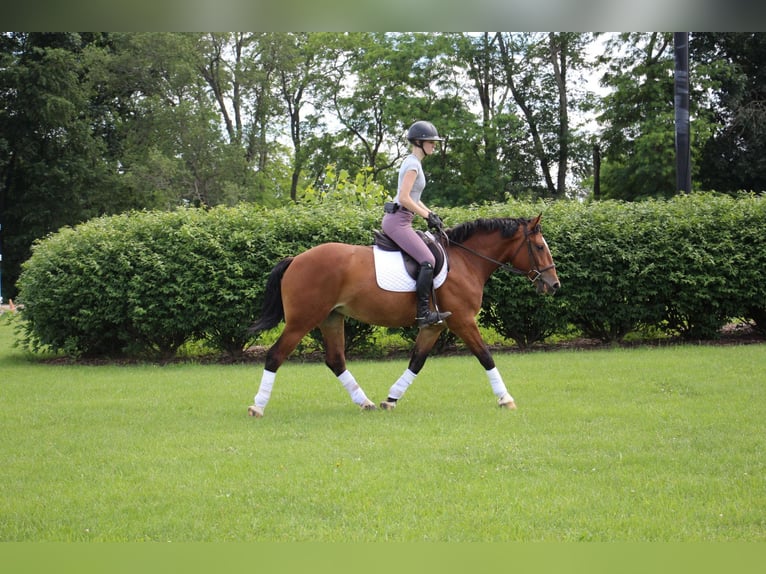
x=522, y=249
x=539, y=265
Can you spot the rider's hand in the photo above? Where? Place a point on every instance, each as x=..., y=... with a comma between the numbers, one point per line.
x=434, y=221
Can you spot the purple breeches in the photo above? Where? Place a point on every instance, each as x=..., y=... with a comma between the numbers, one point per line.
x=398, y=226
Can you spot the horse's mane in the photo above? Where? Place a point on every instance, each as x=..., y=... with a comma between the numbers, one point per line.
x=506, y=225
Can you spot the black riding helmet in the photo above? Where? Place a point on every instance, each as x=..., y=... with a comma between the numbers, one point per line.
x=422, y=131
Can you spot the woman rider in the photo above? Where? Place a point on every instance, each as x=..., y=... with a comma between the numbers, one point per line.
x=397, y=222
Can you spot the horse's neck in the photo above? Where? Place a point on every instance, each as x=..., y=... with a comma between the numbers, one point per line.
x=485, y=252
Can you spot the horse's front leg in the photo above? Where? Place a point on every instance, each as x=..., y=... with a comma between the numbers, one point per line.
x=424, y=342
x=471, y=336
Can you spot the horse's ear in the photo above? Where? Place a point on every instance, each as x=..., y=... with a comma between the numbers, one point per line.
x=536, y=220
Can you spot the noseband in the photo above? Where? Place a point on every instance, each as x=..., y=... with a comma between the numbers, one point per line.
x=534, y=275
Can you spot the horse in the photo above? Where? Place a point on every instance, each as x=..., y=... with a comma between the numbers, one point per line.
x=331, y=281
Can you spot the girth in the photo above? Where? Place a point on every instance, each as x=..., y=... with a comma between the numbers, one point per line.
x=385, y=243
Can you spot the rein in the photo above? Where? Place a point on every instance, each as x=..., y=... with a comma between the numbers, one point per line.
x=533, y=275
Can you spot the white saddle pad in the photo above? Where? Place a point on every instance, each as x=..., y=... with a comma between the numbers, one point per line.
x=392, y=275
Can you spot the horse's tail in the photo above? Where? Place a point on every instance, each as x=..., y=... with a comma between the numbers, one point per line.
x=273, y=311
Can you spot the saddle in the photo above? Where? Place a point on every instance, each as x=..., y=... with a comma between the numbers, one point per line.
x=385, y=243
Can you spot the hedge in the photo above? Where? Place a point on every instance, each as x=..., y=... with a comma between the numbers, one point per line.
x=145, y=283
x=685, y=267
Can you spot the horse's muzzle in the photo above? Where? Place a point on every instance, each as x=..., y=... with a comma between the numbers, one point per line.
x=546, y=287
x=546, y=280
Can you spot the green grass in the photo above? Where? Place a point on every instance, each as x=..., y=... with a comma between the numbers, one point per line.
x=646, y=444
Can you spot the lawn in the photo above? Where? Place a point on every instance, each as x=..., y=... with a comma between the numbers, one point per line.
x=643, y=444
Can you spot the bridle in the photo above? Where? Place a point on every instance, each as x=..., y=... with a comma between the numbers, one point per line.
x=534, y=275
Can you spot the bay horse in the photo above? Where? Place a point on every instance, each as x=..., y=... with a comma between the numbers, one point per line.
x=325, y=284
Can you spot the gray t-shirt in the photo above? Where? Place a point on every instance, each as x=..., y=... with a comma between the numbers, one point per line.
x=410, y=163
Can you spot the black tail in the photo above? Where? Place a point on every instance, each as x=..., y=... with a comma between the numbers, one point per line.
x=273, y=311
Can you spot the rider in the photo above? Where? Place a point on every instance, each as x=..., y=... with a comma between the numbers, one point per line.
x=397, y=222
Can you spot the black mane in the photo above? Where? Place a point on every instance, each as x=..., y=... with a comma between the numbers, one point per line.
x=506, y=225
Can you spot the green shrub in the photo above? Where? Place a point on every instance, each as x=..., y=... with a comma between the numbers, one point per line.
x=146, y=283
x=748, y=262
x=712, y=257
x=235, y=249
x=73, y=289
x=516, y=311
x=606, y=262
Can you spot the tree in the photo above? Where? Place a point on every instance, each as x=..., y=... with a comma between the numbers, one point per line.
x=487, y=160
x=242, y=70
x=304, y=62
x=733, y=158
x=638, y=118
x=371, y=95
x=93, y=124
x=190, y=130
x=538, y=69
x=55, y=169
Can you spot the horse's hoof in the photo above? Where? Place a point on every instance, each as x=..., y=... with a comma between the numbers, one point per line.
x=255, y=411
x=506, y=402
x=387, y=405
x=368, y=405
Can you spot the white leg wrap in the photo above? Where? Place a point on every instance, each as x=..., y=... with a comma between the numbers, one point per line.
x=264, y=391
x=400, y=386
x=497, y=384
x=354, y=390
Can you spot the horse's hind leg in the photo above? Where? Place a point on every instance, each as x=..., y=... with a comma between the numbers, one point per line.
x=275, y=356
x=335, y=358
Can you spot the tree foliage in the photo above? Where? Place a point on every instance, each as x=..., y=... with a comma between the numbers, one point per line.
x=638, y=117
x=94, y=124
x=733, y=158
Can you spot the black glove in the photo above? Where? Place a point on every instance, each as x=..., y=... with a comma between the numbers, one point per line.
x=434, y=221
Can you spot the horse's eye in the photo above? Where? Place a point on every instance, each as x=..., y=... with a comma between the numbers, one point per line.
x=540, y=247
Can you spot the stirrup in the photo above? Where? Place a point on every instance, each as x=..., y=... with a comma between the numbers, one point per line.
x=433, y=318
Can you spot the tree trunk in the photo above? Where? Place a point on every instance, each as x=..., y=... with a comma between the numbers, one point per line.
x=558, y=54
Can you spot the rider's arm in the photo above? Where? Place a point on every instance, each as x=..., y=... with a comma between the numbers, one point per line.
x=404, y=195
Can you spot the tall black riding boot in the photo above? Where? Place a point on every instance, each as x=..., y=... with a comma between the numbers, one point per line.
x=423, y=288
